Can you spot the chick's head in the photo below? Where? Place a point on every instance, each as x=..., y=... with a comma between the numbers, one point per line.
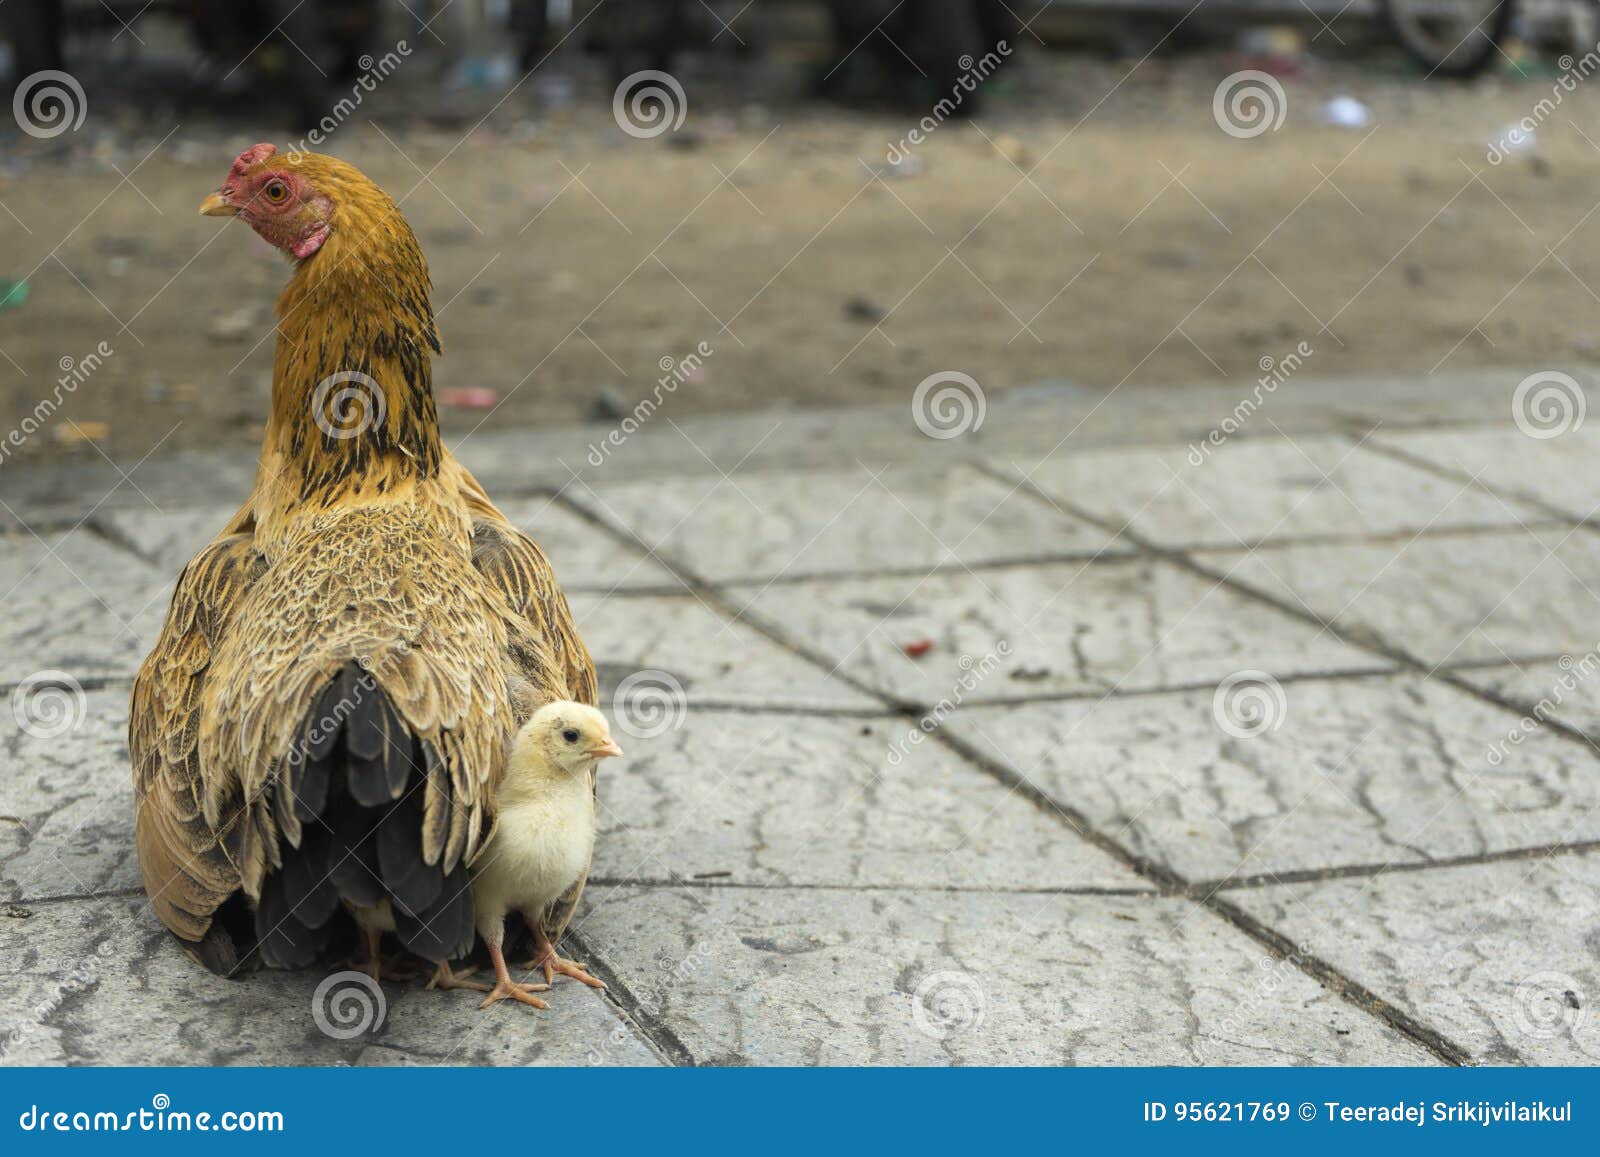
x=563, y=738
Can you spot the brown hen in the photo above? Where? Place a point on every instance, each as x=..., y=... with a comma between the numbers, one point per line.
x=324, y=720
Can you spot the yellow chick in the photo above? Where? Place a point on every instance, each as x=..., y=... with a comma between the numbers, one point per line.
x=543, y=839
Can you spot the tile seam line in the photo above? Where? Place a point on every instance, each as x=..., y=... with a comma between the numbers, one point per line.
x=1356, y=995
x=1402, y=660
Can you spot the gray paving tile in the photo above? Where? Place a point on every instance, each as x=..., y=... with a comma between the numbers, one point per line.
x=1565, y=689
x=583, y=555
x=100, y=982
x=781, y=976
x=66, y=802
x=1363, y=771
x=77, y=604
x=1266, y=489
x=679, y=649
x=1500, y=957
x=1452, y=598
x=759, y=526
x=789, y=799
x=1558, y=471
x=1064, y=627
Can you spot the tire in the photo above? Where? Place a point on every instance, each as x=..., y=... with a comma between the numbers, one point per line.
x=1444, y=42
x=948, y=32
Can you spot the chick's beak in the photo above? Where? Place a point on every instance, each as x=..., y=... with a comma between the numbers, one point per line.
x=215, y=206
x=607, y=748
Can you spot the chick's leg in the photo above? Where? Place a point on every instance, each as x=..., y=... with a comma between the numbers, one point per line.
x=546, y=957
x=505, y=987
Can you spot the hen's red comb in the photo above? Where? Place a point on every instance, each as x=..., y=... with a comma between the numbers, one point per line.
x=251, y=156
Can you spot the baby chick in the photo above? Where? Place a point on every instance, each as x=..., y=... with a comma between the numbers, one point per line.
x=543, y=839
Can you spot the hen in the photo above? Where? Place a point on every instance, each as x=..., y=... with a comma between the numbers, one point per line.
x=326, y=714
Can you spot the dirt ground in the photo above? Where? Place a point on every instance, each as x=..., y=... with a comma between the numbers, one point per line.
x=1094, y=225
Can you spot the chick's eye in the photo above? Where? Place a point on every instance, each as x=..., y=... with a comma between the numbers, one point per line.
x=276, y=192
x=570, y=735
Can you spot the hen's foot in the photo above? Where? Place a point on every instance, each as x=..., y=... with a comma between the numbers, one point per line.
x=445, y=979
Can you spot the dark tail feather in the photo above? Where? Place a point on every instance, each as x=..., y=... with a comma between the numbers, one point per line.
x=358, y=781
x=284, y=941
x=413, y=884
x=444, y=929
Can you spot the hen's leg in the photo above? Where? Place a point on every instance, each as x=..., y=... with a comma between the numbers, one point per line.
x=505, y=987
x=546, y=957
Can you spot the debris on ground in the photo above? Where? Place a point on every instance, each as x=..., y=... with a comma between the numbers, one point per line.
x=12, y=293
x=1345, y=112
x=231, y=327
x=607, y=406
x=75, y=433
x=860, y=309
x=470, y=397
x=918, y=647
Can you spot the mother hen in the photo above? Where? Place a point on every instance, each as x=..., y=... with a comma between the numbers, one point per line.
x=326, y=714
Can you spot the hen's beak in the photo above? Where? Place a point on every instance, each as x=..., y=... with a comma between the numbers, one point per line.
x=608, y=748
x=215, y=206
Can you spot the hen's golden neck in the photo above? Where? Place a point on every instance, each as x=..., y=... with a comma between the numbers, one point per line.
x=352, y=383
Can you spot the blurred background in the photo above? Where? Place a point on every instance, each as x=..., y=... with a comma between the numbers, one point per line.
x=828, y=201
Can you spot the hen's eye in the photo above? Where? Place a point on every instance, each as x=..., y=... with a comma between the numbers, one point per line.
x=276, y=192
x=570, y=735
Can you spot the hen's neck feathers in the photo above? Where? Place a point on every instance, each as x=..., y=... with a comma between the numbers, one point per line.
x=352, y=384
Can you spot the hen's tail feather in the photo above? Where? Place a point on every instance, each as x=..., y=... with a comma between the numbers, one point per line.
x=351, y=809
x=444, y=929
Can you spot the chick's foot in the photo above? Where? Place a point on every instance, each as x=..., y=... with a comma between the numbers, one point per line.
x=507, y=989
x=546, y=957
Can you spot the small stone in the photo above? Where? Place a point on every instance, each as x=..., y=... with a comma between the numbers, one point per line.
x=607, y=406
x=860, y=309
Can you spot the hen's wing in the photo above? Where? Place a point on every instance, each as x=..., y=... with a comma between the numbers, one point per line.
x=514, y=565
x=189, y=866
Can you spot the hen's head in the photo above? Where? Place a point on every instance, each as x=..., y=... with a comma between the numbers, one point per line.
x=295, y=202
